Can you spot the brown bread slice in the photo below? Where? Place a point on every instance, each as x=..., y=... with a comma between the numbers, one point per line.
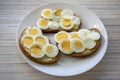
x=45, y=60
x=88, y=52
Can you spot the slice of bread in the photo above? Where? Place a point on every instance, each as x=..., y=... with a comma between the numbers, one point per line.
x=88, y=52
x=44, y=60
x=75, y=27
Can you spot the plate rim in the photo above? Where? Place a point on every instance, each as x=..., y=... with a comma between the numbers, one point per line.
x=58, y=2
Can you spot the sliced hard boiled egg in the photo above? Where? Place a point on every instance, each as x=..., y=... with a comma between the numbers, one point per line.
x=27, y=40
x=57, y=14
x=66, y=24
x=89, y=43
x=65, y=46
x=77, y=45
x=94, y=35
x=36, y=50
x=51, y=50
x=33, y=30
x=47, y=13
x=74, y=35
x=53, y=25
x=83, y=33
x=61, y=35
x=41, y=39
x=67, y=14
x=43, y=23
x=75, y=20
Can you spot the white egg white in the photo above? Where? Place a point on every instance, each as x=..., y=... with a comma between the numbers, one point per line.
x=41, y=27
x=89, y=43
x=40, y=46
x=83, y=33
x=53, y=25
x=34, y=27
x=44, y=16
x=73, y=33
x=64, y=32
x=67, y=14
x=94, y=35
x=42, y=36
x=23, y=37
x=55, y=52
x=54, y=17
x=62, y=50
x=66, y=27
x=75, y=20
x=77, y=50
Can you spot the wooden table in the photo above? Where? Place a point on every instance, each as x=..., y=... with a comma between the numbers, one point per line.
x=14, y=67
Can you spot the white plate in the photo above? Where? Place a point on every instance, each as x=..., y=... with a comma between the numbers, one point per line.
x=68, y=66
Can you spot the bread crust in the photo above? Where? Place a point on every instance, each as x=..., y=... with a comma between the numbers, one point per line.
x=40, y=60
x=88, y=52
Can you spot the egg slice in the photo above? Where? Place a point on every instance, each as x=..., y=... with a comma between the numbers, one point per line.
x=65, y=46
x=83, y=33
x=57, y=14
x=53, y=25
x=74, y=35
x=66, y=24
x=51, y=50
x=27, y=40
x=43, y=23
x=36, y=50
x=33, y=30
x=77, y=45
x=89, y=43
x=67, y=14
x=94, y=35
x=61, y=35
x=75, y=20
x=47, y=13
x=41, y=39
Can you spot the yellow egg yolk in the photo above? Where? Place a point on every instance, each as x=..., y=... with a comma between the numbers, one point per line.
x=66, y=22
x=75, y=35
x=62, y=36
x=50, y=49
x=58, y=12
x=41, y=40
x=78, y=44
x=43, y=23
x=36, y=50
x=33, y=31
x=28, y=41
x=66, y=45
x=47, y=13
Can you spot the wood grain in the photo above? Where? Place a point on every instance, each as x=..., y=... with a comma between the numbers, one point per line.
x=12, y=65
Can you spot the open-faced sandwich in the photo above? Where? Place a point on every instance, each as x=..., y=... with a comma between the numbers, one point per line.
x=78, y=44
x=37, y=47
x=54, y=20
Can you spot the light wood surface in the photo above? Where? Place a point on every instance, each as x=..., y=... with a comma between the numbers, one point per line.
x=12, y=65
